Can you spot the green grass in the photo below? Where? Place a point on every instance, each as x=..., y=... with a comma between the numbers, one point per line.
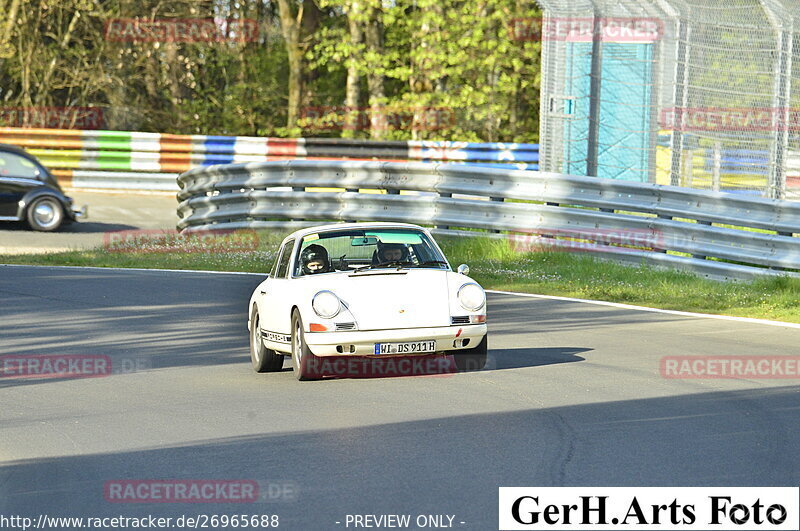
x=496, y=265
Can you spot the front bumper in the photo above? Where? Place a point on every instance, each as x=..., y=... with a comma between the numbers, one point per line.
x=362, y=342
x=81, y=213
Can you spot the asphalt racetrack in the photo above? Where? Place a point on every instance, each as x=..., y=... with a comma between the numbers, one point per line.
x=573, y=395
x=108, y=212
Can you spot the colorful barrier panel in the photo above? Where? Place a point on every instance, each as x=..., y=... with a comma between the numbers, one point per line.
x=152, y=161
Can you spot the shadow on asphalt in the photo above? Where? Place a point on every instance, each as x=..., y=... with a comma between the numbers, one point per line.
x=140, y=320
x=519, y=358
x=439, y=465
x=86, y=227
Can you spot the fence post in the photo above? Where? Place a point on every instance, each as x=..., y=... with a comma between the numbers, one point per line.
x=681, y=60
x=783, y=81
x=594, y=97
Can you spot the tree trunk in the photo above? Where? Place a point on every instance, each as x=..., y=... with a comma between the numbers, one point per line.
x=375, y=81
x=6, y=48
x=352, y=114
x=295, y=86
x=297, y=27
x=290, y=27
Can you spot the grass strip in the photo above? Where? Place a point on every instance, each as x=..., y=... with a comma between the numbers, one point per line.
x=496, y=265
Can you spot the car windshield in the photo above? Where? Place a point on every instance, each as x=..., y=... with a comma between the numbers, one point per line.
x=359, y=250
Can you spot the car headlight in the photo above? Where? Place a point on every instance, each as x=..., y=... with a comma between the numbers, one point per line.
x=326, y=304
x=471, y=296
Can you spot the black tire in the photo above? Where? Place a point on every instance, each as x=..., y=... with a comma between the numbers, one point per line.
x=304, y=362
x=45, y=214
x=472, y=359
x=263, y=358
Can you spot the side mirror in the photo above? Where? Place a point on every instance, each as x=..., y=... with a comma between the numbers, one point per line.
x=463, y=269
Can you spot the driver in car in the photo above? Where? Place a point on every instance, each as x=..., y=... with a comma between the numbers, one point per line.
x=314, y=259
x=392, y=252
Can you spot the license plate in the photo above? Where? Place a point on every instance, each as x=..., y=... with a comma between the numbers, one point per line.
x=411, y=347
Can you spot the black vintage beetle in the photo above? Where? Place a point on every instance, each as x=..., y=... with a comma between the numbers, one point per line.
x=28, y=192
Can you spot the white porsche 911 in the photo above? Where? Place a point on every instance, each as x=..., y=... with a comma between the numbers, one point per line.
x=364, y=289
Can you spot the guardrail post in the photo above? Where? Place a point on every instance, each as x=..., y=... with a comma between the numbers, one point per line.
x=702, y=256
x=298, y=189
x=501, y=200
x=443, y=227
x=658, y=249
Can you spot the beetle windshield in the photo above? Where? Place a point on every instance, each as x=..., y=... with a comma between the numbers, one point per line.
x=356, y=250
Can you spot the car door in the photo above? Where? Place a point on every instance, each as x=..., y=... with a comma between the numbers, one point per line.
x=18, y=175
x=276, y=301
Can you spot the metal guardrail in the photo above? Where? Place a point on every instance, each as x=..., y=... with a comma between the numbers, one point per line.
x=706, y=232
x=126, y=160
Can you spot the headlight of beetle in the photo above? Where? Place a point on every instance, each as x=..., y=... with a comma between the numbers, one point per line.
x=471, y=296
x=326, y=304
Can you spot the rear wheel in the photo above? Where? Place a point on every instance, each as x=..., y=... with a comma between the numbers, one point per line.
x=306, y=364
x=263, y=358
x=45, y=214
x=472, y=359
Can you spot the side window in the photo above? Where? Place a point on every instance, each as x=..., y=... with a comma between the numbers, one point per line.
x=274, y=269
x=283, y=262
x=12, y=165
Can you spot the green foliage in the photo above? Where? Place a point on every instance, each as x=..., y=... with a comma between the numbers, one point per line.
x=457, y=57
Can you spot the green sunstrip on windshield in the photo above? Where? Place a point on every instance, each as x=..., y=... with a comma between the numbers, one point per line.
x=396, y=237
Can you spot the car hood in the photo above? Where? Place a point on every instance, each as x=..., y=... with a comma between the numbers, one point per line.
x=409, y=298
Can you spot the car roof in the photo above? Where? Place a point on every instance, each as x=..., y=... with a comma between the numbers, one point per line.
x=15, y=149
x=345, y=226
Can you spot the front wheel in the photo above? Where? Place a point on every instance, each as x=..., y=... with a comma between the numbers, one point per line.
x=45, y=214
x=305, y=363
x=263, y=358
x=472, y=359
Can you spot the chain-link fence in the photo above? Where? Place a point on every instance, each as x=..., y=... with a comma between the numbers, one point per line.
x=696, y=93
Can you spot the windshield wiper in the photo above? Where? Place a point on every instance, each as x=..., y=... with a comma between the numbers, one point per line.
x=395, y=263
x=433, y=262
